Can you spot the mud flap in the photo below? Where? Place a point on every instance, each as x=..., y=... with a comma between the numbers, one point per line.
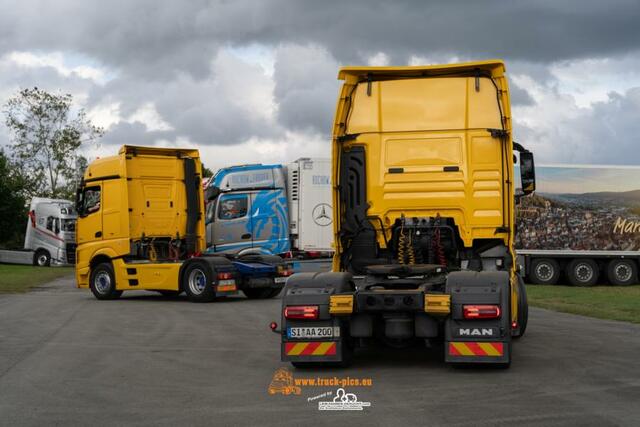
x=478, y=340
x=314, y=289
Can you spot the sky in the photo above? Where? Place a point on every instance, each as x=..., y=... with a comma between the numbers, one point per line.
x=580, y=179
x=249, y=81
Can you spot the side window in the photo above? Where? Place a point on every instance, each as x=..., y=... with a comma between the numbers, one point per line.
x=209, y=216
x=50, y=223
x=91, y=200
x=233, y=206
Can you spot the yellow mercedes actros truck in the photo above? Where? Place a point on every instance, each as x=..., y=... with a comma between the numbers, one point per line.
x=141, y=227
x=424, y=195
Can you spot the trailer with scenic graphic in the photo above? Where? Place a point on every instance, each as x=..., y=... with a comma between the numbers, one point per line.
x=582, y=226
x=424, y=203
x=141, y=227
x=272, y=209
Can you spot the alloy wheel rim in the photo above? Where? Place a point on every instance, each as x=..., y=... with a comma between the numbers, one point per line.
x=197, y=281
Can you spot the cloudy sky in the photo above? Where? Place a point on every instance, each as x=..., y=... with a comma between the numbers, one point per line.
x=255, y=80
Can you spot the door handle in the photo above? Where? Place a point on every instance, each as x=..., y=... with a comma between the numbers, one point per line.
x=246, y=236
x=98, y=234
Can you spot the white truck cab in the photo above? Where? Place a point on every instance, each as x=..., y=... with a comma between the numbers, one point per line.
x=51, y=231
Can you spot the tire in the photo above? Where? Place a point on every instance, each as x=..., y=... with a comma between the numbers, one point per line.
x=258, y=293
x=42, y=258
x=197, y=282
x=169, y=294
x=523, y=308
x=544, y=271
x=583, y=272
x=102, y=282
x=622, y=272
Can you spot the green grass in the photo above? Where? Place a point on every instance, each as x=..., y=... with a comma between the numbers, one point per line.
x=603, y=302
x=20, y=278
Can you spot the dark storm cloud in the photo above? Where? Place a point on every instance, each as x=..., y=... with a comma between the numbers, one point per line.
x=306, y=87
x=604, y=134
x=161, y=52
x=135, y=133
x=520, y=96
x=159, y=37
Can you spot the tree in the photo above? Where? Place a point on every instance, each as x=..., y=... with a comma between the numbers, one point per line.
x=13, y=210
x=46, y=133
x=206, y=172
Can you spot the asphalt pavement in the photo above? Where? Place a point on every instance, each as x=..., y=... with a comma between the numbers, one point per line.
x=68, y=359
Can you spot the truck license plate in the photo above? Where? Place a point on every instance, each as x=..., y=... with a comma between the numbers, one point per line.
x=317, y=332
x=281, y=279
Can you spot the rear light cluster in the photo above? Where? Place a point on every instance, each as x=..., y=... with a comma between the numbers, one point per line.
x=285, y=271
x=225, y=276
x=309, y=312
x=481, y=311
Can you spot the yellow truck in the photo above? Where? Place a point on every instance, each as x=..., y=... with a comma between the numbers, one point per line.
x=141, y=227
x=424, y=193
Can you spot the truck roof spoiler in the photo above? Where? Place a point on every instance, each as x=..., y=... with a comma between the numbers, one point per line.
x=492, y=67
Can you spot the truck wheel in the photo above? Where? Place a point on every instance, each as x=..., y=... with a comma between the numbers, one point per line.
x=42, y=258
x=263, y=293
x=583, y=272
x=523, y=308
x=622, y=272
x=544, y=271
x=103, y=282
x=197, y=282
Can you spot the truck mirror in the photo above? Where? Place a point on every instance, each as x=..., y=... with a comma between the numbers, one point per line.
x=79, y=201
x=211, y=193
x=527, y=172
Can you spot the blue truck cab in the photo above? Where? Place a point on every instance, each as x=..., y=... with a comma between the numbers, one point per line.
x=247, y=211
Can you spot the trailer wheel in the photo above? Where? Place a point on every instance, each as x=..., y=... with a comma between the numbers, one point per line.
x=197, y=282
x=42, y=258
x=102, y=282
x=583, y=272
x=523, y=308
x=622, y=272
x=544, y=271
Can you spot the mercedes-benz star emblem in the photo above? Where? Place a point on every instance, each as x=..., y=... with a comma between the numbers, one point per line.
x=322, y=214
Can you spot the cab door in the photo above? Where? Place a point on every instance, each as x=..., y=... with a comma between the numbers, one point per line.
x=232, y=223
x=269, y=221
x=90, y=214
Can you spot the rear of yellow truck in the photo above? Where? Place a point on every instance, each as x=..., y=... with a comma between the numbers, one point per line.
x=423, y=178
x=141, y=227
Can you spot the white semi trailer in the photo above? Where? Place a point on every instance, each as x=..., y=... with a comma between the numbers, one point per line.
x=582, y=226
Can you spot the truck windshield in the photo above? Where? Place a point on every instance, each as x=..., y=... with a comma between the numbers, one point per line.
x=68, y=225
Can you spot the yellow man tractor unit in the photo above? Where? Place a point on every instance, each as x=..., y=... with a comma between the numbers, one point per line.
x=424, y=195
x=141, y=227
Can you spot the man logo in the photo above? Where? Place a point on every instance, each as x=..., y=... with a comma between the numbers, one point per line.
x=476, y=332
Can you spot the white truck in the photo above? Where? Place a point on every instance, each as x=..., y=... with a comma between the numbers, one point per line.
x=582, y=226
x=50, y=238
x=271, y=209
